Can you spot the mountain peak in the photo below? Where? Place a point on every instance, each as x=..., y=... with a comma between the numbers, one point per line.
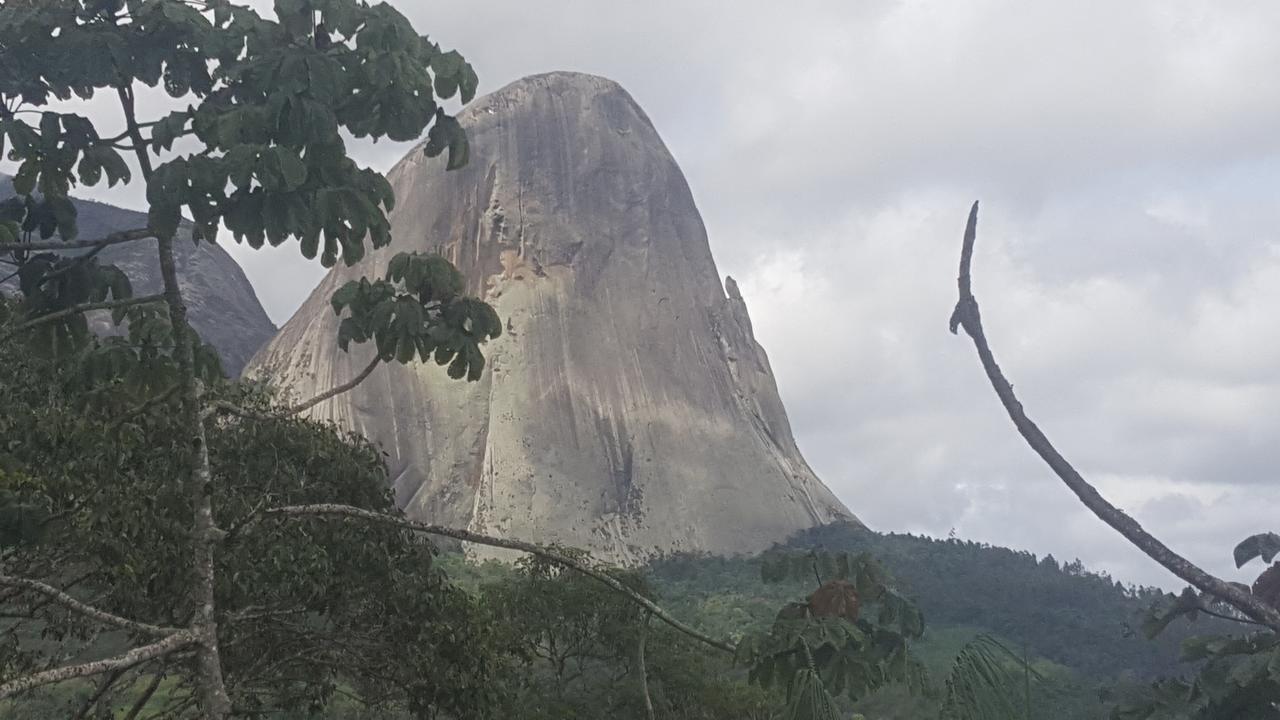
x=628, y=409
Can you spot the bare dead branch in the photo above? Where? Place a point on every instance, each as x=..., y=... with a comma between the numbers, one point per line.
x=134, y=657
x=346, y=511
x=966, y=315
x=333, y=392
x=81, y=308
x=62, y=598
x=114, y=238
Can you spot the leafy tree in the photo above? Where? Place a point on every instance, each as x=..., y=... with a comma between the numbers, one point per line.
x=309, y=612
x=585, y=651
x=828, y=645
x=253, y=142
x=572, y=633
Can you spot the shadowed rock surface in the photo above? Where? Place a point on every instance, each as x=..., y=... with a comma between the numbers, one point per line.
x=221, y=303
x=628, y=408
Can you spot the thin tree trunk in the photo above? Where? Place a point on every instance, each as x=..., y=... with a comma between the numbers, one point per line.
x=584, y=566
x=211, y=689
x=640, y=667
x=214, y=700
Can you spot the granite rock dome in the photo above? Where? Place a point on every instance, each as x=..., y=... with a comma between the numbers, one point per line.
x=628, y=408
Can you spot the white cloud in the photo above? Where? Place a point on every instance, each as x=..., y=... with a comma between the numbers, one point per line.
x=1129, y=254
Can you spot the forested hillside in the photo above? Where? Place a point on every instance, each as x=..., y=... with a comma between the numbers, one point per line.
x=1080, y=628
x=564, y=646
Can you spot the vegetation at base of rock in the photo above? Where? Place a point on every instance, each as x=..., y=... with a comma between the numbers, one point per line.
x=308, y=608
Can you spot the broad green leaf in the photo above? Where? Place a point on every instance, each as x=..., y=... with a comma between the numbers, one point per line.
x=1263, y=545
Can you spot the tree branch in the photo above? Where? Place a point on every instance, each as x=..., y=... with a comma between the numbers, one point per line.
x=134, y=129
x=145, y=697
x=135, y=656
x=966, y=315
x=82, y=308
x=102, y=616
x=114, y=238
x=223, y=407
x=103, y=687
x=347, y=511
x=333, y=392
x=144, y=406
x=229, y=408
x=642, y=670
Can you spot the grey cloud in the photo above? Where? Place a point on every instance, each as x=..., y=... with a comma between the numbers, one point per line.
x=1129, y=261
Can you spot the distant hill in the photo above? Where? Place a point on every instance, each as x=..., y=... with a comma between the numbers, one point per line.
x=1082, y=626
x=1061, y=611
x=223, y=307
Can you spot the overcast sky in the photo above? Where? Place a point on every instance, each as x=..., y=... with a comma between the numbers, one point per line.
x=1127, y=156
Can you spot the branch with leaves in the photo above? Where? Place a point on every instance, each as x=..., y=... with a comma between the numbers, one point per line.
x=132, y=658
x=80, y=309
x=586, y=567
x=88, y=611
x=116, y=238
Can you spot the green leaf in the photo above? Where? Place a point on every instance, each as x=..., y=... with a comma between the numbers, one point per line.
x=24, y=183
x=1263, y=545
x=164, y=219
x=241, y=160
x=468, y=83
x=475, y=364
x=447, y=134
x=113, y=165
x=344, y=296
x=49, y=126
x=64, y=211
x=168, y=128
x=1162, y=613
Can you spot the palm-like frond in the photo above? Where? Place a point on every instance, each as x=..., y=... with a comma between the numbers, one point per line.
x=988, y=681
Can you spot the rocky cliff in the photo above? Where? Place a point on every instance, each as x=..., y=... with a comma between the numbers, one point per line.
x=628, y=408
x=222, y=304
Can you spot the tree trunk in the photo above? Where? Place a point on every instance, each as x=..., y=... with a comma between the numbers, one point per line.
x=214, y=700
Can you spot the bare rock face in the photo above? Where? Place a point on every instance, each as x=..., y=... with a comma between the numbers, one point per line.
x=628, y=408
x=221, y=304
